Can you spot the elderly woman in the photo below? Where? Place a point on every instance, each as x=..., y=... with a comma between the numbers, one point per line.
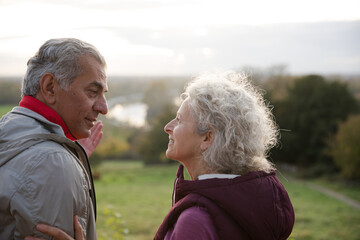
x=222, y=133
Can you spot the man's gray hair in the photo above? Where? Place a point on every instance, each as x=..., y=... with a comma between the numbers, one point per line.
x=243, y=125
x=59, y=57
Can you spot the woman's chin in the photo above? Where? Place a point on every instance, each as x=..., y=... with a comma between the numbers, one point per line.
x=170, y=156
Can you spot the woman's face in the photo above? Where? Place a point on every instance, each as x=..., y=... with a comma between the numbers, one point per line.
x=184, y=142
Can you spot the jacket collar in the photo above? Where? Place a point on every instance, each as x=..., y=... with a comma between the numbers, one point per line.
x=183, y=187
x=41, y=108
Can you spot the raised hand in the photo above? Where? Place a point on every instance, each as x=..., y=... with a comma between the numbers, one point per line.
x=89, y=144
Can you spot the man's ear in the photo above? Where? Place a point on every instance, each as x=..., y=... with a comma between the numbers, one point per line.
x=48, y=85
x=207, y=140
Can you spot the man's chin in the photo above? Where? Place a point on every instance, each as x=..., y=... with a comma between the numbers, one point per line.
x=83, y=135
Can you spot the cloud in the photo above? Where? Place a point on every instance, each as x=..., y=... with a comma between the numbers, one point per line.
x=328, y=47
x=185, y=37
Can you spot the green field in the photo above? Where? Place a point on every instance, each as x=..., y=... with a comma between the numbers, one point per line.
x=4, y=109
x=142, y=195
x=138, y=198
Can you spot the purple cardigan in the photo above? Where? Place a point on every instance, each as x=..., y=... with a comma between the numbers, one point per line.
x=252, y=206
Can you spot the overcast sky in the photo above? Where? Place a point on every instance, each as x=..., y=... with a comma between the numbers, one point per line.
x=172, y=37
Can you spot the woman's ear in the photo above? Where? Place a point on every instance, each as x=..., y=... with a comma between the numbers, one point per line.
x=47, y=91
x=207, y=140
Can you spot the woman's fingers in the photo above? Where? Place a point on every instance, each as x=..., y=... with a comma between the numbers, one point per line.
x=78, y=230
x=33, y=238
x=53, y=231
x=57, y=233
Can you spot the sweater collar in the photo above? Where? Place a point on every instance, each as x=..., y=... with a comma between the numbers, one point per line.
x=41, y=108
x=217, y=175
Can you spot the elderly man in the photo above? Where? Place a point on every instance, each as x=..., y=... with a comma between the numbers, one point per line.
x=45, y=176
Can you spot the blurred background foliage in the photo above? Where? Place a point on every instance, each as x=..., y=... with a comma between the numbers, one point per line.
x=318, y=117
x=344, y=147
x=309, y=115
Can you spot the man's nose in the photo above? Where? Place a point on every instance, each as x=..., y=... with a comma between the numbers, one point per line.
x=101, y=106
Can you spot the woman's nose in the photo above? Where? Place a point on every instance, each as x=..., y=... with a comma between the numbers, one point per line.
x=168, y=127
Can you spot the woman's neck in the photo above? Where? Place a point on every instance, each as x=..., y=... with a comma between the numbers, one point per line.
x=196, y=167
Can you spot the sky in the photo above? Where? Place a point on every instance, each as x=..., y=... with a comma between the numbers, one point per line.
x=187, y=37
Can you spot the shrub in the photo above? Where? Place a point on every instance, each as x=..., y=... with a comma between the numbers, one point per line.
x=112, y=147
x=114, y=224
x=345, y=148
x=152, y=143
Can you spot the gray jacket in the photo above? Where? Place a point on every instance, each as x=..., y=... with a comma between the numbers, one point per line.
x=44, y=178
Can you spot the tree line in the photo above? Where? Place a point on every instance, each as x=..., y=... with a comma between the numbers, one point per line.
x=318, y=118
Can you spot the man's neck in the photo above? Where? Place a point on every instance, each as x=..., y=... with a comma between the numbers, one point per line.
x=41, y=108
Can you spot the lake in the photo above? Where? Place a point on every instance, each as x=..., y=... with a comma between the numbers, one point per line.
x=133, y=114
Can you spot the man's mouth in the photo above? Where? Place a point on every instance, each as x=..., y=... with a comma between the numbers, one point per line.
x=91, y=120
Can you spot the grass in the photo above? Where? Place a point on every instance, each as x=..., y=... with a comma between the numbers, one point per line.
x=349, y=189
x=142, y=195
x=320, y=217
x=4, y=109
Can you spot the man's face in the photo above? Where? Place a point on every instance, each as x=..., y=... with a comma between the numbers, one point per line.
x=80, y=104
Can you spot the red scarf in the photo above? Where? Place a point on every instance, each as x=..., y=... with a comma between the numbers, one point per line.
x=41, y=108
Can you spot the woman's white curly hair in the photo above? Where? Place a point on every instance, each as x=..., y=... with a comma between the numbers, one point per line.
x=243, y=125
